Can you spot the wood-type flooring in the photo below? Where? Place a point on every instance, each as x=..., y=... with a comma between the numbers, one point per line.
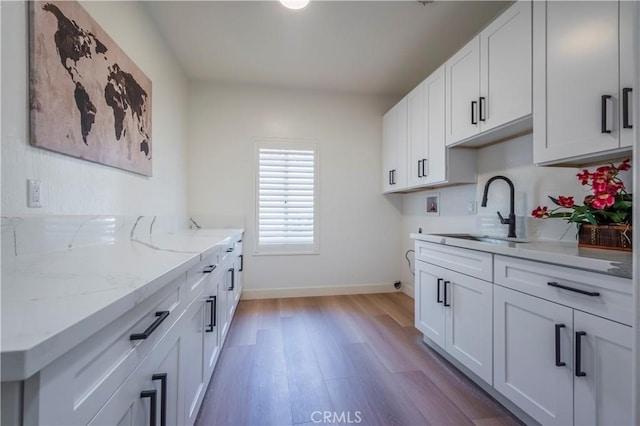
x=351, y=360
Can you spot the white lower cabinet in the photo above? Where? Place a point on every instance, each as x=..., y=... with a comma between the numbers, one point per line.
x=560, y=365
x=553, y=340
x=531, y=368
x=454, y=311
x=151, y=395
x=603, y=392
x=150, y=366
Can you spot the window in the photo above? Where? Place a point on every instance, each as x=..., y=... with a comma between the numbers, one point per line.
x=287, y=200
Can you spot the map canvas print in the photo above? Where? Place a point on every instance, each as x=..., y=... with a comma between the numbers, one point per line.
x=87, y=98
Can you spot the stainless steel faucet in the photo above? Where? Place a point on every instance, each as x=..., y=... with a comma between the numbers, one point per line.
x=511, y=221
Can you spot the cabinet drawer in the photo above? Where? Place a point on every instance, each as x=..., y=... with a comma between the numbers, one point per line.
x=613, y=299
x=75, y=386
x=199, y=275
x=469, y=262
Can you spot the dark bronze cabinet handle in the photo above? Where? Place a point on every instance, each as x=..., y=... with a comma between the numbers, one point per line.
x=579, y=372
x=604, y=114
x=473, y=112
x=625, y=108
x=212, y=318
x=575, y=290
x=439, y=299
x=162, y=315
x=233, y=279
x=151, y=394
x=481, y=101
x=209, y=269
x=559, y=362
x=163, y=396
x=446, y=298
x=241, y=263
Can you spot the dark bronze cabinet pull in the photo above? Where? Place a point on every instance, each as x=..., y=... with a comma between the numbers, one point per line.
x=446, y=298
x=575, y=290
x=163, y=396
x=233, y=280
x=473, y=113
x=162, y=315
x=579, y=372
x=559, y=362
x=604, y=114
x=625, y=108
x=212, y=323
x=151, y=394
x=439, y=299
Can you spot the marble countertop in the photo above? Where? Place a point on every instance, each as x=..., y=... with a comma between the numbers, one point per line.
x=611, y=262
x=51, y=302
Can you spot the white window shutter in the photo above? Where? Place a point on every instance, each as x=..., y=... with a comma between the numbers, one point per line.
x=286, y=197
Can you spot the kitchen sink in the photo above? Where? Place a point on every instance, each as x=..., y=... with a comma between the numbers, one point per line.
x=484, y=238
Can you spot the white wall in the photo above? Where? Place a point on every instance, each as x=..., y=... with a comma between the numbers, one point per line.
x=360, y=229
x=533, y=185
x=73, y=186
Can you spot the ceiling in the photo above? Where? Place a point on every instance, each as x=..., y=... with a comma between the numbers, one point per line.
x=367, y=47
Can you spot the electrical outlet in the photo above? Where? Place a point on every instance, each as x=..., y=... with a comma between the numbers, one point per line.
x=34, y=193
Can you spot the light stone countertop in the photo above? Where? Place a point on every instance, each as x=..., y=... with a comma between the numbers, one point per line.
x=610, y=262
x=51, y=302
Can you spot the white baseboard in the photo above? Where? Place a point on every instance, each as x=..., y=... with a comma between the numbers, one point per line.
x=277, y=293
x=409, y=291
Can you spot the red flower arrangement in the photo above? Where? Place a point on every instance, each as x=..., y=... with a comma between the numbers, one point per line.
x=609, y=202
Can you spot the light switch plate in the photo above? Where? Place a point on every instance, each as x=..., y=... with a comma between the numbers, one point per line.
x=34, y=193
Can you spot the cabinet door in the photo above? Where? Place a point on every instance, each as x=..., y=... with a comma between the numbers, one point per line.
x=528, y=361
x=129, y=407
x=603, y=395
x=401, y=174
x=417, y=138
x=429, y=301
x=389, y=155
x=628, y=23
x=505, y=67
x=193, y=357
x=231, y=290
x=469, y=323
x=576, y=60
x=436, y=164
x=395, y=147
x=211, y=329
x=463, y=88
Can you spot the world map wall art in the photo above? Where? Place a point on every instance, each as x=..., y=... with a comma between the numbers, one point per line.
x=87, y=98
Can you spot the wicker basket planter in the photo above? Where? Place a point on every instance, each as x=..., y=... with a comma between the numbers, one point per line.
x=610, y=237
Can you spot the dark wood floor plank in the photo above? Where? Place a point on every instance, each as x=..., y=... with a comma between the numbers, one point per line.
x=391, y=306
x=333, y=361
x=267, y=390
x=431, y=402
x=343, y=327
x=229, y=382
x=244, y=326
x=307, y=389
x=268, y=314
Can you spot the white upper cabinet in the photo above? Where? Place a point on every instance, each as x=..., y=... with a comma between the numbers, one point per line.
x=583, y=59
x=394, y=141
x=488, y=81
x=463, y=90
x=417, y=135
x=505, y=68
x=430, y=163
